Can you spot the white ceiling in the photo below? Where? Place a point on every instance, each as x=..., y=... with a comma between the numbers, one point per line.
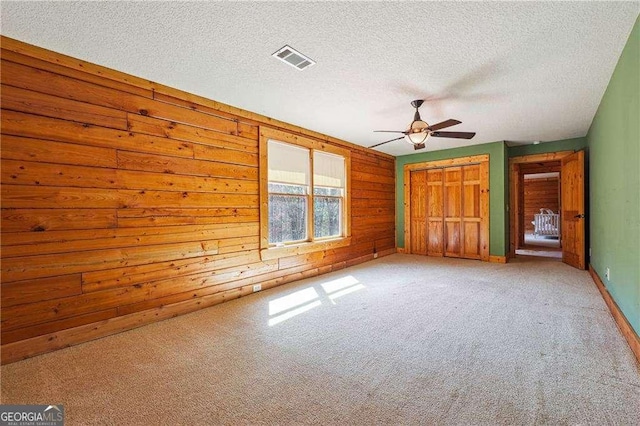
x=519, y=71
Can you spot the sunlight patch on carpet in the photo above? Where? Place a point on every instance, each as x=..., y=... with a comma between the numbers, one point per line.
x=291, y=305
x=292, y=300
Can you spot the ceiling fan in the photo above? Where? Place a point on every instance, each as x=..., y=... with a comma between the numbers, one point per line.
x=419, y=131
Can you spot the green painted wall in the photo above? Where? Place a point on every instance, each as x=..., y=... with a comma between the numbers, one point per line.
x=574, y=144
x=614, y=182
x=499, y=155
x=497, y=184
x=613, y=201
x=505, y=170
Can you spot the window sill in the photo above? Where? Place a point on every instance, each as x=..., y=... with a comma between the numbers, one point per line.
x=302, y=248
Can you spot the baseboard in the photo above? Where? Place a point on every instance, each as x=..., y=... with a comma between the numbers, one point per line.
x=23, y=349
x=492, y=259
x=623, y=324
x=388, y=252
x=368, y=257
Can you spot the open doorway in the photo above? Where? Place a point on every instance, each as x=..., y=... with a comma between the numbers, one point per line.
x=541, y=211
x=539, y=226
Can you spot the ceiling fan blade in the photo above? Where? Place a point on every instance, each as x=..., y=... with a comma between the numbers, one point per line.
x=456, y=135
x=390, y=140
x=443, y=124
x=389, y=131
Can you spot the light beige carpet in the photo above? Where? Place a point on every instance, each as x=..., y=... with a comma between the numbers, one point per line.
x=400, y=340
x=548, y=243
x=553, y=254
x=540, y=247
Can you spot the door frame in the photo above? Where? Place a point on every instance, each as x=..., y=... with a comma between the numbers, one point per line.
x=516, y=189
x=450, y=162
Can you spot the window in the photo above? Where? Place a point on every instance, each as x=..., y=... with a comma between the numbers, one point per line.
x=289, y=195
x=304, y=194
x=328, y=194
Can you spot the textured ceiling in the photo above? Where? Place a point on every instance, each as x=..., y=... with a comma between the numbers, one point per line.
x=509, y=71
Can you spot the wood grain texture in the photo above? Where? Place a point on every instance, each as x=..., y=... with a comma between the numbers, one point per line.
x=418, y=212
x=447, y=208
x=573, y=210
x=540, y=194
x=16, y=99
x=24, y=53
x=46, y=151
x=126, y=202
x=38, y=220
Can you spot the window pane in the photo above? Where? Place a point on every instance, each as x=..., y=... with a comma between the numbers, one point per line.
x=288, y=163
x=327, y=217
x=282, y=188
x=287, y=218
x=328, y=169
x=331, y=192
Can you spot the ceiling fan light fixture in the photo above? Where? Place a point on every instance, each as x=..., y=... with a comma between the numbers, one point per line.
x=418, y=132
x=417, y=138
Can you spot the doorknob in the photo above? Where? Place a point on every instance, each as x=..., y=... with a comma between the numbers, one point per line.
x=579, y=216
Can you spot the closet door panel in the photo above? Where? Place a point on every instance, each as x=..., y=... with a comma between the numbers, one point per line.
x=471, y=246
x=434, y=183
x=452, y=238
x=471, y=211
x=471, y=200
x=452, y=211
x=418, y=237
x=435, y=243
x=453, y=194
x=435, y=212
x=418, y=201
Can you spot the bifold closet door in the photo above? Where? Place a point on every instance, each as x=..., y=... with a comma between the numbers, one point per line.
x=435, y=212
x=452, y=211
x=418, y=213
x=462, y=212
x=471, y=215
x=449, y=211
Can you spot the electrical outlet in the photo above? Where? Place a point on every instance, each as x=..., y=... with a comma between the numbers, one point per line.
x=607, y=274
x=375, y=255
x=257, y=287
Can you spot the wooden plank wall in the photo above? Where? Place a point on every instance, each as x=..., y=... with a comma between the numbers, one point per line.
x=538, y=194
x=126, y=202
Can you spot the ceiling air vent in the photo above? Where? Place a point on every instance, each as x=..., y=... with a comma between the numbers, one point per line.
x=289, y=55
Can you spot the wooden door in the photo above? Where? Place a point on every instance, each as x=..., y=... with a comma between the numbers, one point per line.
x=520, y=210
x=453, y=211
x=418, y=217
x=435, y=212
x=572, y=210
x=448, y=211
x=470, y=226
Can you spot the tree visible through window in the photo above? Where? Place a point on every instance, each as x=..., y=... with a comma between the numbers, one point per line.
x=287, y=213
x=328, y=191
x=306, y=194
